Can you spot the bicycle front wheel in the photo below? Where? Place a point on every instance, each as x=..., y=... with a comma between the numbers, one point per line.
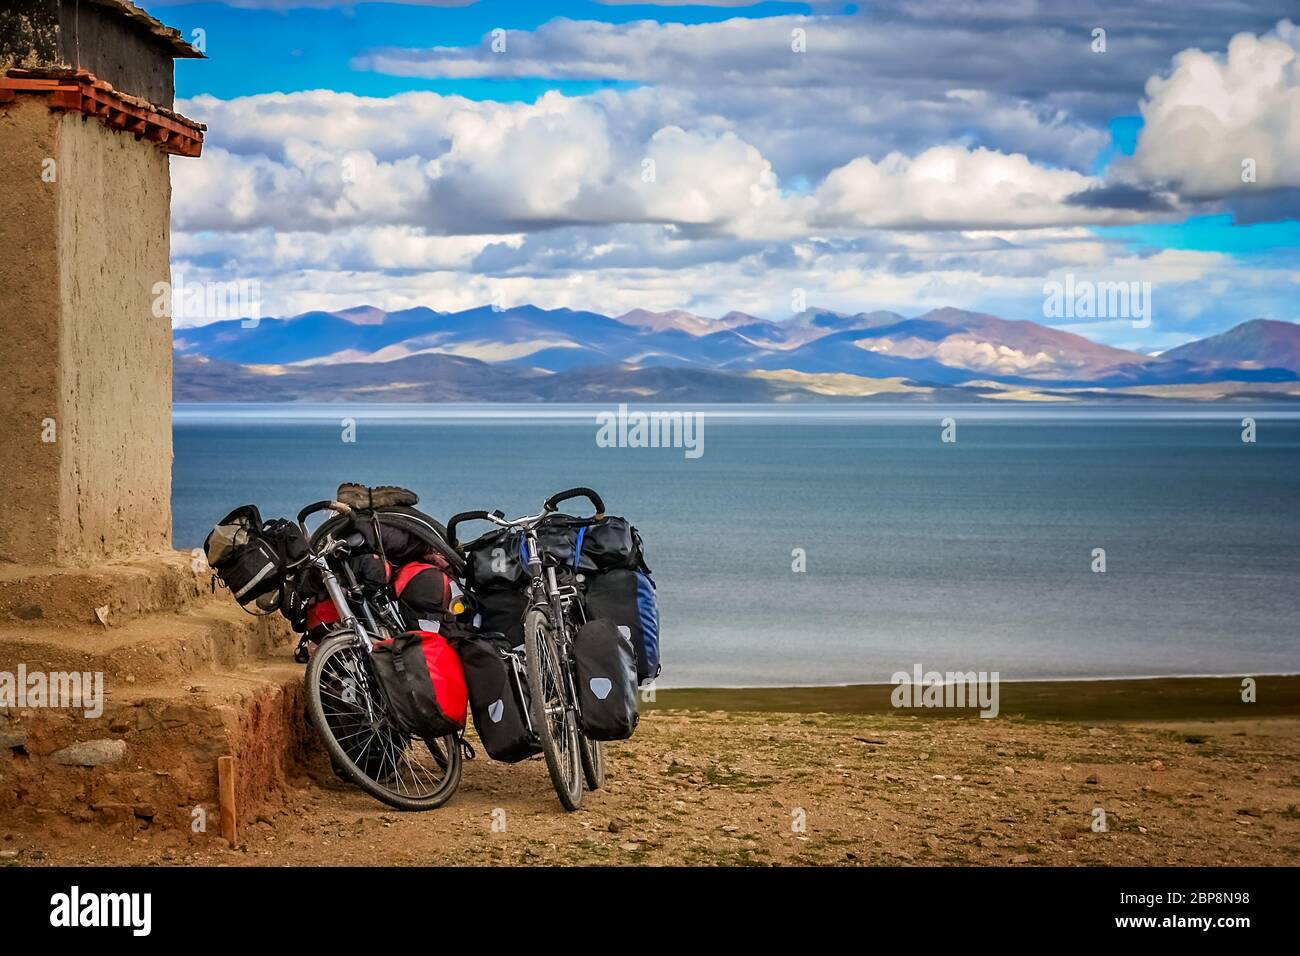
x=364, y=745
x=554, y=716
x=593, y=762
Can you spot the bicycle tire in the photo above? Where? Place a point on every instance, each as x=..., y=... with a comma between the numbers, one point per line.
x=593, y=762
x=445, y=751
x=566, y=772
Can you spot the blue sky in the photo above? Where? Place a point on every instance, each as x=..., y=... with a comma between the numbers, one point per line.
x=612, y=156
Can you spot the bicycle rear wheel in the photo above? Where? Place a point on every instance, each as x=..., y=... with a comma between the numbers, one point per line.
x=343, y=701
x=554, y=717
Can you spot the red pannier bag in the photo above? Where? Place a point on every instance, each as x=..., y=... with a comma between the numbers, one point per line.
x=424, y=592
x=423, y=682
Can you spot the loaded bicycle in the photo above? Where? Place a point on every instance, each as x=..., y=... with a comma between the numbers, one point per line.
x=553, y=614
x=346, y=700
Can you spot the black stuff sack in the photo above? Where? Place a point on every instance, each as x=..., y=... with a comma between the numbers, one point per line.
x=606, y=671
x=498, y=696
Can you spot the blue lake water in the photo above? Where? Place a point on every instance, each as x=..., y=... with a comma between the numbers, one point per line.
x=975, y=554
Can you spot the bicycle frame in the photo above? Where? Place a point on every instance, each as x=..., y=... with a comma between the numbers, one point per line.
x=546, y=592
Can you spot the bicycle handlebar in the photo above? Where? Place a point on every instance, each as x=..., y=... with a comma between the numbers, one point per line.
x=326, y=505
x=464, y=516
x=499, y=519
x=553, y=502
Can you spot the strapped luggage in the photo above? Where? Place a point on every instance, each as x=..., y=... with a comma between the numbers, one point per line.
x=498, y=696
x=252, y=557
x=628, y=599
x=606, y=671
x=423, y=593
x=423, y=682
x=496, y=559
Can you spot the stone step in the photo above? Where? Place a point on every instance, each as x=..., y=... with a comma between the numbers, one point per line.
x=70, y=597
x=159, y=647
x=150, y=759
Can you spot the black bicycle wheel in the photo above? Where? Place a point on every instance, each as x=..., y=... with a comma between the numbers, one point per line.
x=554, y=717
x=593, y=762
x=345, y=706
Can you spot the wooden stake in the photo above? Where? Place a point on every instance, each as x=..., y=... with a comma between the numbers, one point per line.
x=226, y=783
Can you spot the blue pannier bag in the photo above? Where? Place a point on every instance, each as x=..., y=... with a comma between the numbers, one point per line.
x=628, y=599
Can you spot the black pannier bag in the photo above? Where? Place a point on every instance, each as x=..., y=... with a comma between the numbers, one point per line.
x=498, y=696
x=252, y=557
x=502, y=611
x=423, y=682
x=628, y=599
x=606, y=670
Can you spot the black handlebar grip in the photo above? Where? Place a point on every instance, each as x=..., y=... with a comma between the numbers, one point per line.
x=554, y=501
x=457, y=519
x=311, y=509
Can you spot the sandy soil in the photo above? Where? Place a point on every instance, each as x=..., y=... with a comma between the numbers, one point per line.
x=714, y=787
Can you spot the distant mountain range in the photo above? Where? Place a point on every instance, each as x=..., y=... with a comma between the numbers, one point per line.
x=530, y=354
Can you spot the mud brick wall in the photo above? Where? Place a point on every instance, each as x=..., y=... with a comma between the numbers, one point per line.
x=80, y=345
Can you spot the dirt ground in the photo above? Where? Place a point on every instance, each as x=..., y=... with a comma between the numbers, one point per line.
x=744, y=788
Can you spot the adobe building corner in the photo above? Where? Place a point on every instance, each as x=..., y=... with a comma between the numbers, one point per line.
x=86, y=134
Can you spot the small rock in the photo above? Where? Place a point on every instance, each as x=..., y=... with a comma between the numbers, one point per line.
x=8, y=854
x=1020, y=859
x=932, y=842
x=1157, y=765
x=731, y=829
x=90, y=753
x=615, y=826
x=1250, y=812
x=13, y=738
x=101, y=615
x=1092, y=778
x=629, y=846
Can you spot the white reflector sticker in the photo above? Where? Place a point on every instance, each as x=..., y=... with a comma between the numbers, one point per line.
x=625, y=631
x=601, y=686
x=430, y=626
x=496, y=710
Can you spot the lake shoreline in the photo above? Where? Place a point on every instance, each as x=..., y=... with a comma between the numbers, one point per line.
x=1107, y=699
